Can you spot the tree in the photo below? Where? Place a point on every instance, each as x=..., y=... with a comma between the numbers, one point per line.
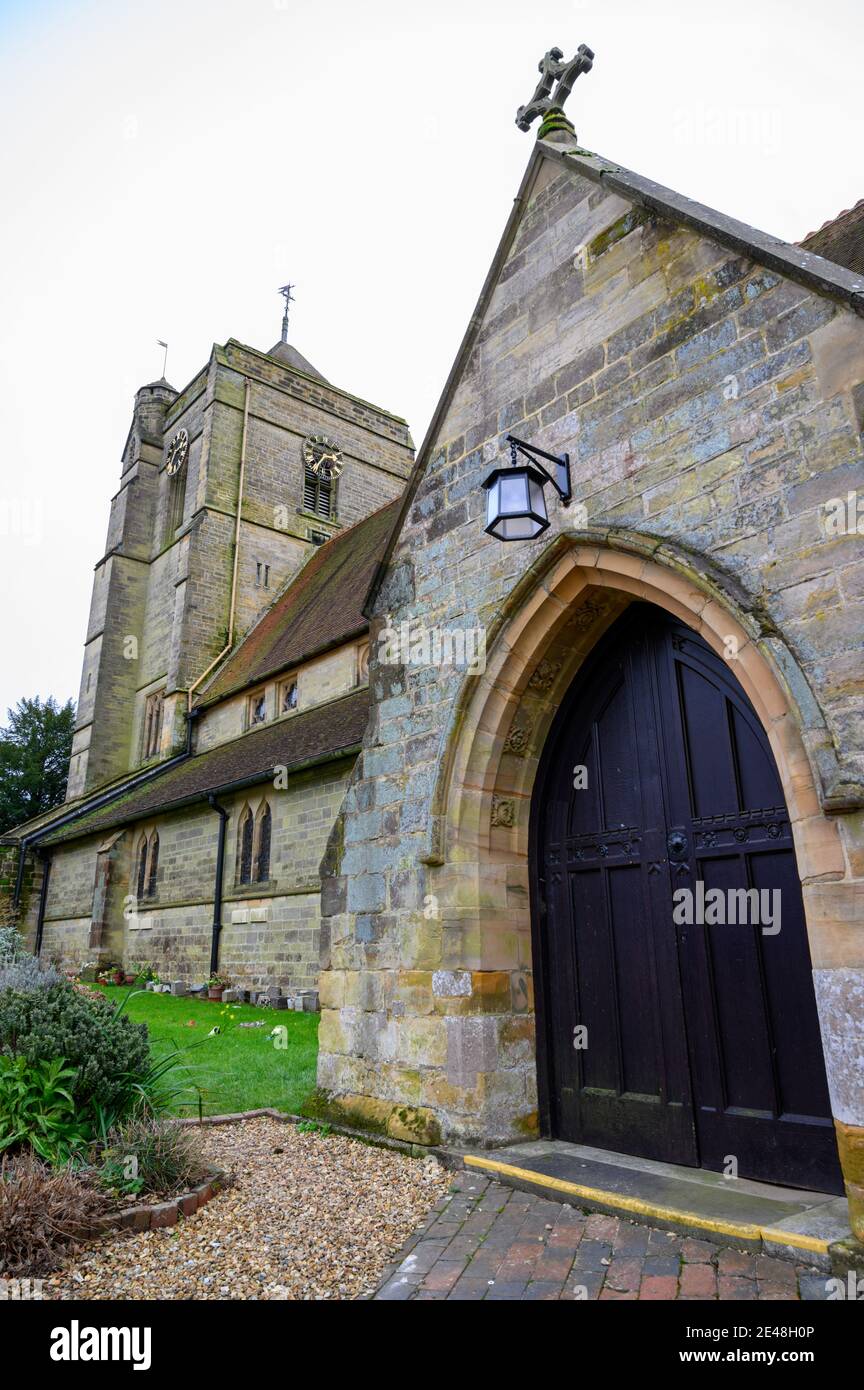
x=35, y=749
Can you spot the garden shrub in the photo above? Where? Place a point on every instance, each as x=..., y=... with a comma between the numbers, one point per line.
x=11, y=944
x=154, y=1155
x=109, y=1053
x=18, y=968
x=41, y=1212
x=37, y=1108
x=26, y=972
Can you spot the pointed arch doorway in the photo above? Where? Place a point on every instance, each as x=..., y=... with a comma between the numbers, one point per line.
x=689, y=1041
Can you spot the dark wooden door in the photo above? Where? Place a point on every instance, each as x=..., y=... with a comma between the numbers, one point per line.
x=669, y=1031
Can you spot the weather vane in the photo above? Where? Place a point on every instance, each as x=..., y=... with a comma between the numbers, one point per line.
x=553, y=69
x=285, y=291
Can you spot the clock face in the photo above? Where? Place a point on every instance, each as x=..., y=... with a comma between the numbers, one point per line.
x=323, y=456
x=177, y=451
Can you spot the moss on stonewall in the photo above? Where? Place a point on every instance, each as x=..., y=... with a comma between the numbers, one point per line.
x=622, y=227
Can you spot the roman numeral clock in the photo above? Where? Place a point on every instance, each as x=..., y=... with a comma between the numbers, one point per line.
x=177, y=451
x=323, y=456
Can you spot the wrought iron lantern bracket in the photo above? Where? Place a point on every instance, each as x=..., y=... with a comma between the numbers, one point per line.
x=560, y=479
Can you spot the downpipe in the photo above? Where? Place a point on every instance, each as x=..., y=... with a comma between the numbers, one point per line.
x=217, y=887
x=45, y=856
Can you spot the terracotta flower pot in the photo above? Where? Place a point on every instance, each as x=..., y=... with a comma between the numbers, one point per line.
x=215, y=992
x=117, y=977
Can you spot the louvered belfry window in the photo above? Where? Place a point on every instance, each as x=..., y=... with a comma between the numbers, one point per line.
x=153, y=708
x=317, y=494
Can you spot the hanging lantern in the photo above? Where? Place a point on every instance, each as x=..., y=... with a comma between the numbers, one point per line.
x=515, y=502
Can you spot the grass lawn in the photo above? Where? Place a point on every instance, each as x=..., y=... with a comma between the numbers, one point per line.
x=240, y=1068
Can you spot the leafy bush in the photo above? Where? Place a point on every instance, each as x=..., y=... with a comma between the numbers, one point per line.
x=109, y=1054
x=20, y=970
x=41, y=1212
x=37, y=1108
x=151, y=1154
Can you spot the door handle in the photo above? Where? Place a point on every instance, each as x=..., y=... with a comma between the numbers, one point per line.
x=677, y=844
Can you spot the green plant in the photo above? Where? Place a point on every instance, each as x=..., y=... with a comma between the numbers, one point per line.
x=313, y=1127
x=218, y=982
x=11, y=944
x=143, y=972
x=37, y=1107
x=24, y=972
x=152, y=1154
x=110, y=1055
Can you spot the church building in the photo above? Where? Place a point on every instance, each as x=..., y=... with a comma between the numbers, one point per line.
x=550, y=771
x=225, y=689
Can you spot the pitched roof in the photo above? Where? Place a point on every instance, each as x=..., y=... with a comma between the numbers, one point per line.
x=320, y=608
x=841, y=240
x=322, y=734
x=801, y=264
x=285, y=353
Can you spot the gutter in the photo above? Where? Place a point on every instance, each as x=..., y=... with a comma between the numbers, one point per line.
x=217, y=888
x=228, y=788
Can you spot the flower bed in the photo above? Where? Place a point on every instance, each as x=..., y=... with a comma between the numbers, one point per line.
x=151, y=1215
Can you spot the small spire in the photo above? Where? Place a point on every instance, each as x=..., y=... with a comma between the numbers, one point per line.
x=285, y=291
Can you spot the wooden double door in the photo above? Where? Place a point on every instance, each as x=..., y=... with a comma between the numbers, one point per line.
x=667, y=1026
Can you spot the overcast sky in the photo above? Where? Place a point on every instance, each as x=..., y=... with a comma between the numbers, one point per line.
x=167, y=165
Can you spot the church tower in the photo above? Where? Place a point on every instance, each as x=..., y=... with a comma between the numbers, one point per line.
x=226, y=488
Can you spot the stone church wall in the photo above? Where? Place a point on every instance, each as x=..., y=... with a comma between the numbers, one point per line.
x=271, y=931
x=710, y=407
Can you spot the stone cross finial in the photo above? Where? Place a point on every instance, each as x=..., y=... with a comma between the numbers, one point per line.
x=552, y=69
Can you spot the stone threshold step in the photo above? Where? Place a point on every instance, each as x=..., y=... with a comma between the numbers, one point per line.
x=788, y=1223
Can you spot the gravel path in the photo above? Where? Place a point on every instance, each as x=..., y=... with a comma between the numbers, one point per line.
x=309, y=1217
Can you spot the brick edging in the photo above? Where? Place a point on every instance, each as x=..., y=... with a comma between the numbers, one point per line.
x=148, y=1218
x=236, y=1116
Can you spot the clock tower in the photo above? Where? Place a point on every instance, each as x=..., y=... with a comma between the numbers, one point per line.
x=227, y=486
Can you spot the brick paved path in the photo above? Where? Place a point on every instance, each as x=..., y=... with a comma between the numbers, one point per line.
x=489, y=1241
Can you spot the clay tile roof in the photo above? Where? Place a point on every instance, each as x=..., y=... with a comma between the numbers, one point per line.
x=321, y=608
x=841, y=240
x=322, y=733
